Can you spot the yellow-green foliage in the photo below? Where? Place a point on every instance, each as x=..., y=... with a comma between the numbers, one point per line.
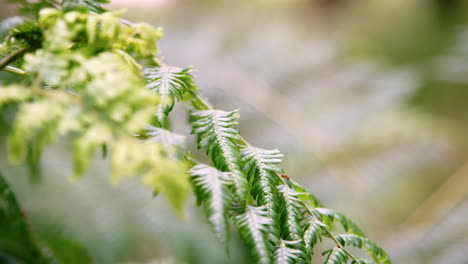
x=86, y=85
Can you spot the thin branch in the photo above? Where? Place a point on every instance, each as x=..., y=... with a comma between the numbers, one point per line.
x=12, y=57
x=198, y=102
x=14, y=70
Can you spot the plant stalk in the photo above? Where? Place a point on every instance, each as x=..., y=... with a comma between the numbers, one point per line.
x=14, y=70
x=12, y=57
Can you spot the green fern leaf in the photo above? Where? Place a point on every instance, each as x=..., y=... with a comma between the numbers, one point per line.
x=287, y=255
x=170, y=83
x=211, y=190
x=323, y=218
x=292, y=217
x=348, y=225
x=261, y=160
x=70, y=47
x=261, y=169
x=215, y=131
x=253, y=224
x=313, y=233
x=305, y=195
x=336, y=256
x=377, y=253
x=292, y=214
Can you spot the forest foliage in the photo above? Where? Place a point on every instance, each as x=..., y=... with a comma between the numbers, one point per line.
x=95, y=80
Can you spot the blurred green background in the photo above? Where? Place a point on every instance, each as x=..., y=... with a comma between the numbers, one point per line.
x=367, y=99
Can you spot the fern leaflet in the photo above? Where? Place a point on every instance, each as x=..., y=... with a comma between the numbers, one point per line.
x=211, y=190
x=261, y=169
x=348, y=225
x=253, y=224
x=285, y=254
x=215, y=131
x=170, y=83
x=377, y=253
x=337, y=255
x=313, y=233
x=291, y=213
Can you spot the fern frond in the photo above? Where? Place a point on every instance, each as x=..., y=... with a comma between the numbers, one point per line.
x=291, y=218
x=164, y=137
x=305, y=196
x=321, y=220
x=261, y=160
x=348, y=225
x=313, y=233
x=215, y=131
x=292, y=214
x=33, y=119
x=337, y=255
x=253, y=224
x=170, y=83
x=79, y=47
x=376, y=252
x=261, y=169
x=325, y=215
x=287, y=255
x=211, y=190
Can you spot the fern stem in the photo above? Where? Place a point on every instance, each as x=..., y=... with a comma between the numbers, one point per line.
x=14, y=70
x=12, y=57
x=198, y=102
